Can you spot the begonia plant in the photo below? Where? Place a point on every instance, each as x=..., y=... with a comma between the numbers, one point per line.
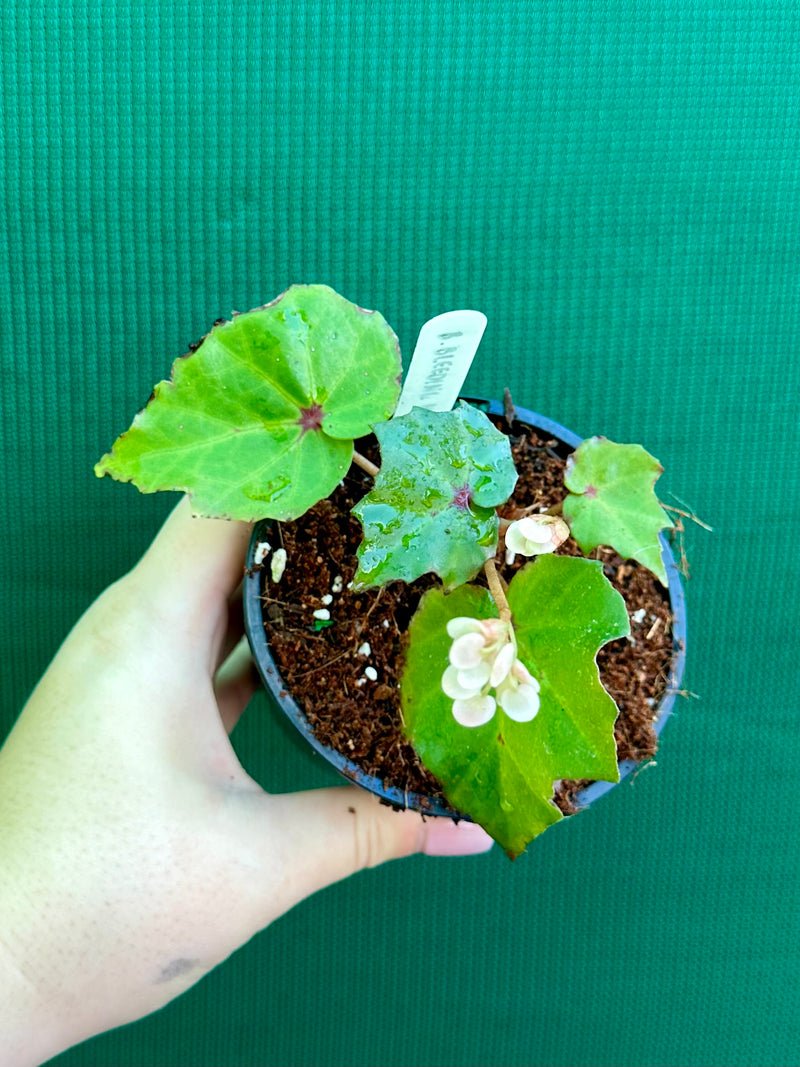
x=500, y=690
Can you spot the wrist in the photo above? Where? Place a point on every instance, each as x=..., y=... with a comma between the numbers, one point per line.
x=30, y=1029
x=34, y=1020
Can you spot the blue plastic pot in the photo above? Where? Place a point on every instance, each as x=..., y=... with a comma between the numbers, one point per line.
x=285, y=702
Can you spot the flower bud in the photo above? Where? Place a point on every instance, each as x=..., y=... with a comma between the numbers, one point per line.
x=536, y=534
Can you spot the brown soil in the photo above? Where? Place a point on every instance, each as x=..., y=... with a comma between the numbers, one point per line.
x=324, y=669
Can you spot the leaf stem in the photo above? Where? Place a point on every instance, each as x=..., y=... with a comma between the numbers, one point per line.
x=496, y=590
x=365, y=464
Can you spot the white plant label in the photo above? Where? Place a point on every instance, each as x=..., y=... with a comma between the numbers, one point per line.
x=445, y=349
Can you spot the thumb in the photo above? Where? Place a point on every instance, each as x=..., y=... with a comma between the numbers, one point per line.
x=332, y=833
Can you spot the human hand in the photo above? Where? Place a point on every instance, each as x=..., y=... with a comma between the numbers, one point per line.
x=135, y=852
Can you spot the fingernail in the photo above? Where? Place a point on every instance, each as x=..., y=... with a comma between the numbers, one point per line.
x=446, y=838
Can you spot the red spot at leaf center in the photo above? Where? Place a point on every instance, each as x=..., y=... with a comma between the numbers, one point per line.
x=311, y=418
x=591, y=492
x=461, y=498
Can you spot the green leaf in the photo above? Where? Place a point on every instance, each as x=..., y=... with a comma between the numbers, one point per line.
x=502, y=774
x=259, y=421
x=432, y=507
x=612, y=501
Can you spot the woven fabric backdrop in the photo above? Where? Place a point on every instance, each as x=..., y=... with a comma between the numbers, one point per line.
x=616, y=184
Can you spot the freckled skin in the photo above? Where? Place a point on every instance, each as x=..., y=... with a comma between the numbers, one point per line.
x=176, y=968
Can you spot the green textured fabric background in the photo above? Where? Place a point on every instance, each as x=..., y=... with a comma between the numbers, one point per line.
x=616, y=184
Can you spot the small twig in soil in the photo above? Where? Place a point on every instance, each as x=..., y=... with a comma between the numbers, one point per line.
x=298, y=608
x=322, y=666
x=679, y=529
x=642, y=767
x=509, y=411
x=304, y=633
x=394, y=744
x=371, y=608
x=652, y=629
x=365, y=464
x=675, y=536
x=687, y=514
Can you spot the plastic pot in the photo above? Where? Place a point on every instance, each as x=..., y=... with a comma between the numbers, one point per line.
x=283, y=700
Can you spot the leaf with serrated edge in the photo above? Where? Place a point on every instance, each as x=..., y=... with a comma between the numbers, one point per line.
x=502, y=774
x=612, y=501
x=259, y=421
x=432, y=506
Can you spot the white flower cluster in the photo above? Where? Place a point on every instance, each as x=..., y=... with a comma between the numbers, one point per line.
x=483, y=657
x=535, y=535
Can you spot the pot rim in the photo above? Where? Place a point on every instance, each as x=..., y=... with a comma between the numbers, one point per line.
x=280, y=695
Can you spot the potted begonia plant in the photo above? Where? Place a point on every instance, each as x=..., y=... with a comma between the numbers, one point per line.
x=489, y=611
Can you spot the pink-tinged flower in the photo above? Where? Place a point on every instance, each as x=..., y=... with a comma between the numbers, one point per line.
x=535, y=535
x=518, y=696
x=467, y=651
x=483, y=657
x=476, y=711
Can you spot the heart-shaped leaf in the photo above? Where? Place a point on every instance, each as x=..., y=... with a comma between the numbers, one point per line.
x=432, y=507
x=612, y=501
x=259, y=421
x=502, y=773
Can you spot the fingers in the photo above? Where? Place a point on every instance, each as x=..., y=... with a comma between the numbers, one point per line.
x=194, y=564
x=329, y=834
x=234, y=684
